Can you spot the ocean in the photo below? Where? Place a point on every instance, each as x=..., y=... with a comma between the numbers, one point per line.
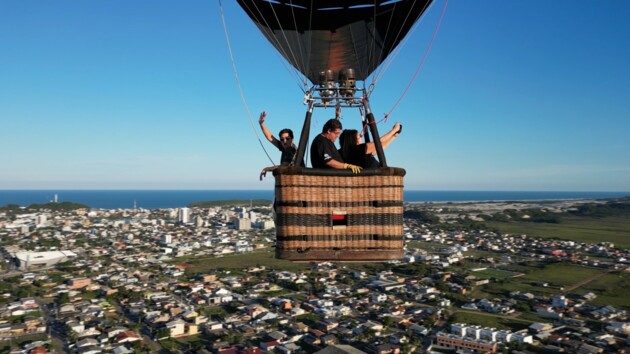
x=160, y=199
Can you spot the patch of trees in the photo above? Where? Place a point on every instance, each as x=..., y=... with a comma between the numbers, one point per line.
x=63, y=206
x=527, y=215
x=233, y=202
x=468, y=225
x=422, y=216
x=412, y=269
x=612, y=208
x=540, y=215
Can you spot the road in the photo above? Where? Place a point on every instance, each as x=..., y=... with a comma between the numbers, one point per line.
x=56, y=330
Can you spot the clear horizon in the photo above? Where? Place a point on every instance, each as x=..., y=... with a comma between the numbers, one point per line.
x=513, y=96
x=152, y=199
x=267, y=189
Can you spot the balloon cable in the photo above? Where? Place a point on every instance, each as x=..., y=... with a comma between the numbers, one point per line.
x=238, y=84
x=426, y=54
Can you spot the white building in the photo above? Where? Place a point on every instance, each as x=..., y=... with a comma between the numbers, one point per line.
x=264, y=224
x=489, y=334
x=41, y=220
x=199, y=222
x=34, y=260
x=183, y=215
x=242, y=224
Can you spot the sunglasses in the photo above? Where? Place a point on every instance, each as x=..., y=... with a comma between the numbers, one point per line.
x=285, y=139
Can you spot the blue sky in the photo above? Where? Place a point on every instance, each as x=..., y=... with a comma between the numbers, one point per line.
x=130, y=94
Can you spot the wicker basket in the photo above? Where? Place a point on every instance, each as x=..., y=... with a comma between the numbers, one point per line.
x=334, y=215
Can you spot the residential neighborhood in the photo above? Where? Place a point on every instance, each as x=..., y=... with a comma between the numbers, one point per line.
x=169, y=280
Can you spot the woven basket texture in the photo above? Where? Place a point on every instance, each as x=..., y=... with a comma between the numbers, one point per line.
x=342, y=217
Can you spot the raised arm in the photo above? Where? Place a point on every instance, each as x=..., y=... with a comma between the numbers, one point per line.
x=263, y=127
x=385, y=140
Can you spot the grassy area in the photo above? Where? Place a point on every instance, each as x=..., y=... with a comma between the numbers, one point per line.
x=224, y=203
x=266, y=258
x=561, y=274
x=489, y=320
x=493, y=273
x=557, y=274
x=427, y=246
x=580, y=229
x=532, y=317
x=239, y=261
x=611, y=289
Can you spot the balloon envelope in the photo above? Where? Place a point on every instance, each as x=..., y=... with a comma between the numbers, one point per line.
x=320, y=35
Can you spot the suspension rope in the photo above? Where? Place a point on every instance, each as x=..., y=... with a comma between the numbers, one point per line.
x=302, y=64
x=238, y=84
x=281, y=52
x=426, y=54
x=392, y=55
x=385, y=37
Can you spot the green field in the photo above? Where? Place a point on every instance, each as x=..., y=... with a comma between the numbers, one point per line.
x=564, y=275
x=493, y=273
x=264, y=258
x=580, y=229
x=561, y=274
x=489, y=320
x=611, y=289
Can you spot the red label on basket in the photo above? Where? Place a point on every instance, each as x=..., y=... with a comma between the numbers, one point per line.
x=338, y=217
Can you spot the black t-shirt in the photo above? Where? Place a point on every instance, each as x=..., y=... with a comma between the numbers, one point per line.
x=287, y=153
x=357, y=156
x=322, y=151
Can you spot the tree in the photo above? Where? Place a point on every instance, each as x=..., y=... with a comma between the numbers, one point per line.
x=421, y=216
x=163, y=333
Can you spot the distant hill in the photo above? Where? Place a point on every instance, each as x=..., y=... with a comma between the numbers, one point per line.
x=223, y=203
x=63, y=206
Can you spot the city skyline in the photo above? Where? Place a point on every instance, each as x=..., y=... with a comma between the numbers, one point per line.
x=142, y=95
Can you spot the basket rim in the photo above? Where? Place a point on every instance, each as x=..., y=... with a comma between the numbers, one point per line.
x=295, y=170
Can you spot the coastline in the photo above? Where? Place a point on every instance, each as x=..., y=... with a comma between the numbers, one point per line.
x=165, y=199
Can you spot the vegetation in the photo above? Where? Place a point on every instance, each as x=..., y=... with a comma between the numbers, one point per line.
x=619, y=207
x=590, y=222
x=611, y=289
x=422, y=216
x=224, y=203
x=489, y=320
x=200, y=265
x=20, y=342
x=615, y=229
x=63, y=206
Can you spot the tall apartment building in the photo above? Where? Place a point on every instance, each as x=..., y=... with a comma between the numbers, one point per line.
x=183, y=215
x=242, y=224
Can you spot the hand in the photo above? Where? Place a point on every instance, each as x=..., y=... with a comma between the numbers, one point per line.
x=354, y=168
x=397, y=127
x=263, y=115
x=263, y=173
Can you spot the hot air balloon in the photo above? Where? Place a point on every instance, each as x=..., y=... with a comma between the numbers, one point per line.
x=326, y=214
